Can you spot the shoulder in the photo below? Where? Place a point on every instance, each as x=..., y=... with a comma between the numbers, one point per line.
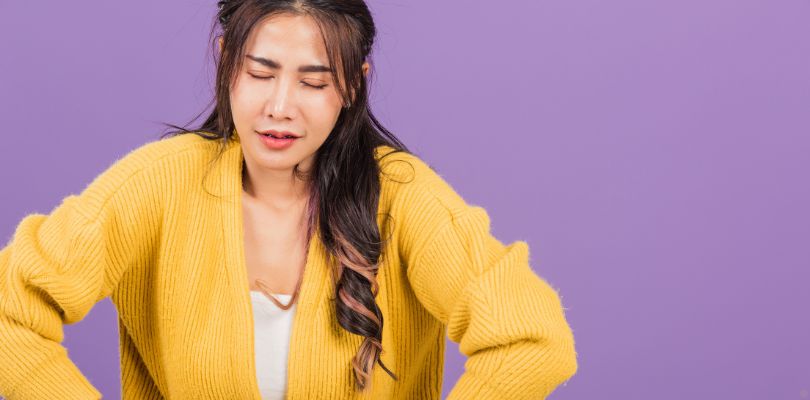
x=145, y=172
x=153, y=152
x=419, y=200
x=415, y=182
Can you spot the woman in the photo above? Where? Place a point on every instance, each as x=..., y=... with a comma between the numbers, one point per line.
x=281, y=250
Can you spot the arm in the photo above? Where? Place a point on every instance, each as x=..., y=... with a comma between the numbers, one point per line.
x=57, y=267
x=506, y=319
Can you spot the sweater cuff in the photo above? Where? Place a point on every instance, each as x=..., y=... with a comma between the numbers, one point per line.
x=55, y=378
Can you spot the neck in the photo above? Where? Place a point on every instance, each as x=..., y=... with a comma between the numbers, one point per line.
x=278, y=190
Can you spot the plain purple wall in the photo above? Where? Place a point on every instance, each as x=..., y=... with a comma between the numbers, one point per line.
x=655, y=155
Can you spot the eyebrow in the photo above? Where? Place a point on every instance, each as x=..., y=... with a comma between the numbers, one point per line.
x=275, y=65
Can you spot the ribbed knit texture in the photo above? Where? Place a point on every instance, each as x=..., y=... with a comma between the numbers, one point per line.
x=165, y=241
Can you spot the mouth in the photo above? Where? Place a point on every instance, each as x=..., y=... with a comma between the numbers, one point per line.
x=278, y=135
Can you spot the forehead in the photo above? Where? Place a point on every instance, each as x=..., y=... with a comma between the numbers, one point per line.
x=286, y=36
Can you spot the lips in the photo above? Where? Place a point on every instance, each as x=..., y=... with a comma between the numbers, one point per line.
x=279, y=134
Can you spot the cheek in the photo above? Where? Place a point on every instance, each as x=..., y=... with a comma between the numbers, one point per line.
x=326, y=105
x=242, y=94
x=245, y=102
x=322, y=113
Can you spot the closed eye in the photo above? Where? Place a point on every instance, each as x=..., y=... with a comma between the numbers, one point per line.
x=264, y=78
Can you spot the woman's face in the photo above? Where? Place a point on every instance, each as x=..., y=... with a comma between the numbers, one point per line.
x=284, y=85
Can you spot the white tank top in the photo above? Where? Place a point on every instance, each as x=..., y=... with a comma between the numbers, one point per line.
x=272, y=327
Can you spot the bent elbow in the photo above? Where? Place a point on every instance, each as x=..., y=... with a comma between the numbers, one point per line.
x=564, y=364
x=558, y=362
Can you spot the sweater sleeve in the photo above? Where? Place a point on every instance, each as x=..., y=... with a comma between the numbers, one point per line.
x=55, y=268
x=507, y=320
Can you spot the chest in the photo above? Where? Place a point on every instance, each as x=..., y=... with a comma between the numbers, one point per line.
x=275, y=249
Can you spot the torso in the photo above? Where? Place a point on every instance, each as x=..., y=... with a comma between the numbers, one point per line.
x=275, y=246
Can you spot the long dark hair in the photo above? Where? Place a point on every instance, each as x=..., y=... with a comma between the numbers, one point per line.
x=344, y=181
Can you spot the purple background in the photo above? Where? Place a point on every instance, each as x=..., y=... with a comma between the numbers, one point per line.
x=655, y=155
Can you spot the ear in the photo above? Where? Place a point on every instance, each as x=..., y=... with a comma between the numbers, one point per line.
x=220, y=43
x=365, y=72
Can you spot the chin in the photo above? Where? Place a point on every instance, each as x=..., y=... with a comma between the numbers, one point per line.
x=277, y=163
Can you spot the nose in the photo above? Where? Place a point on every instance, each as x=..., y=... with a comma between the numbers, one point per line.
x=281, y=101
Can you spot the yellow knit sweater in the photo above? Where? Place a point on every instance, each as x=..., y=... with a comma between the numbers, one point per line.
x=165, y=241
